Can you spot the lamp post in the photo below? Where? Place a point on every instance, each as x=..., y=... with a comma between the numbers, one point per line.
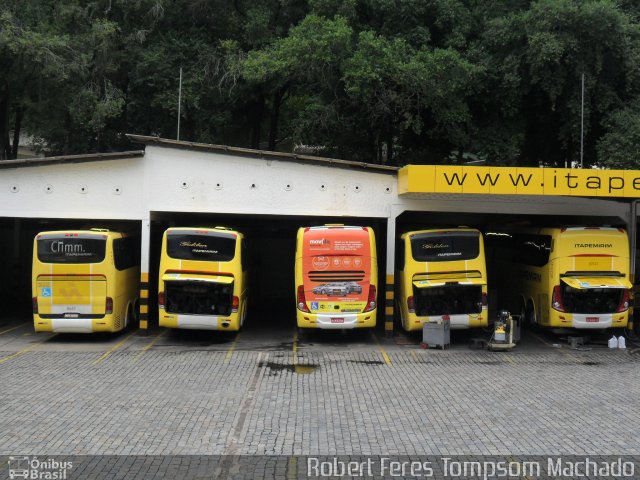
x=179, y=103
x=582, y=126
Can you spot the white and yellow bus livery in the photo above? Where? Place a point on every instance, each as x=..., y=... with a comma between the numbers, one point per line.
x=85, y=281
x=576, y=277
x=203, y=280
x=442, y=275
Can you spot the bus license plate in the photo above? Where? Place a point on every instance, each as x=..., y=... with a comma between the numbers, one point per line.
x=593, y=319
x=337, y=320
x=71, y=315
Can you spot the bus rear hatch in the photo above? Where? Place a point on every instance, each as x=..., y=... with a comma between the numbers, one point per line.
x=69, y=289
x=198, y=294
x=71, y=296
x=437, y=296
x=593, y=294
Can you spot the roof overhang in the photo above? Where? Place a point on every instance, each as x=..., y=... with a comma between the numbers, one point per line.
x=92, y=157
x=267, y=155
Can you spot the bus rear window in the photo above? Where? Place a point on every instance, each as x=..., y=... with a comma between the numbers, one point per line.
x=208, y=248
x=443, y=247
x=71, y=250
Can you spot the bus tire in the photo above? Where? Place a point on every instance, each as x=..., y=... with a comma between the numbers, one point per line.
x=531, y=314
x=134, y=318
x=398, y=310
x=523, y=313
x=127, y=317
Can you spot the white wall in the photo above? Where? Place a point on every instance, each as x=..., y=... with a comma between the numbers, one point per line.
x=193, y=181
x=111, y=190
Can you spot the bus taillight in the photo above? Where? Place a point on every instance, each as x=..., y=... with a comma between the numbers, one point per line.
x=624, y=304
x=411, y=305
x=108, y=308
x=161, y=300
x=234, y=304
x=371, y=301
x=302, y=302
x=556, y=302
x=34, y=304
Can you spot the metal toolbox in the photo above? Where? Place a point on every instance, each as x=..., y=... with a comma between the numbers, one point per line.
x=436, y=334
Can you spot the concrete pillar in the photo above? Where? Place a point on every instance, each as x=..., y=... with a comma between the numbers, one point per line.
x=632, y=223
x=145, y=242
x=632, y=229
x=389, y=286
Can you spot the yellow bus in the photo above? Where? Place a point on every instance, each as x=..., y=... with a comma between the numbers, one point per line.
x=85, y=281
x=442, y=274
x=336, y=277
x=574, y=277
x=203, y=281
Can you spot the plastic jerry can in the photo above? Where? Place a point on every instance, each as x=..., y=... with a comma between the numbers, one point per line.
x=613, y=342
x=622, y=342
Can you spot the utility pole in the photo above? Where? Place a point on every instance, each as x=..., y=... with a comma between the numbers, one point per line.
x=179, y=103
x=582, y=126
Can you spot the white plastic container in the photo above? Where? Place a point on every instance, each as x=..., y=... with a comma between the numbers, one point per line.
x=613, y=342
x=622, y=342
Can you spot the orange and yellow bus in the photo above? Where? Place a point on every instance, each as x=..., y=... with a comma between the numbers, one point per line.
x=203, y=281
x=336, y=277
x=85, y=281
x=442, y=274
x=575, y=277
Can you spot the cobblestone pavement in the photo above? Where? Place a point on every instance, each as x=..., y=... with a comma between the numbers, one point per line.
x=168, y=394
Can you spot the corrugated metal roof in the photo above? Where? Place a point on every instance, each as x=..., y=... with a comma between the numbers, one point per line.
x=90, y=157
x=247, y=152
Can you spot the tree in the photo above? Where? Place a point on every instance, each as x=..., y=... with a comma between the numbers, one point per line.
x=536, y=57
x=306, y=64
x=32, y=53
x=408, y=93
x=619, y=147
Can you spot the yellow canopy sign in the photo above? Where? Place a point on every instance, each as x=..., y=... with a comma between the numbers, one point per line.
x=518, y=181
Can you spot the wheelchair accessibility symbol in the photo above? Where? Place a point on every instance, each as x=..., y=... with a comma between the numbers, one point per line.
x=314, y=305
x=46, y=292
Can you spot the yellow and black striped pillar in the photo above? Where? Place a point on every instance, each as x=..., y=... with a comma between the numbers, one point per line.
x=144, y=300
x=388, y=304
x=635, y=293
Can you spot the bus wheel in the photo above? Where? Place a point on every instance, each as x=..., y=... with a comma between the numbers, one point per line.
x=398, y=312
x=531, y=315
x=523, y=313
x=127, y=318
x=134, y=317
x=244, y=314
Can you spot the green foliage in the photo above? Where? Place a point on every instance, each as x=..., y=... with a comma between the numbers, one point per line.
x=423, y=81
x=619, y=147
x=312, y=48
